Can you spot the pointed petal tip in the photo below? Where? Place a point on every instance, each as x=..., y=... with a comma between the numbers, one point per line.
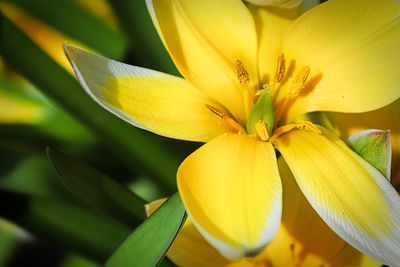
x=375, y=147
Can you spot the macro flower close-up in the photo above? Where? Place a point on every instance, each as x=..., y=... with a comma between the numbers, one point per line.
x=289, y=109
x=249, y=73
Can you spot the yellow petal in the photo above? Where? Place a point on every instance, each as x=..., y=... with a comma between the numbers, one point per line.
x=271, y=24
x=303, y=238
x=232, y=193
x=205, y=39
x=277, y=3
x=352, y=49
x=386, y=118
x=352, y=197
x=160, y=103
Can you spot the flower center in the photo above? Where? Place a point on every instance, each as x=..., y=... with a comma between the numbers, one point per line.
x=263, y=111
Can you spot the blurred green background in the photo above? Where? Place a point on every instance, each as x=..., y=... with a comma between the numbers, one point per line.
x=42, y=222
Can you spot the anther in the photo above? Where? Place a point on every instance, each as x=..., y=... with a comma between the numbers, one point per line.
x=241, y=72
x=308, y=126
x=301, y=125
x=280, y=68
x=262, y=130
x=300, y=80
x=261, y=91
x=228, y=119
x=215, y=111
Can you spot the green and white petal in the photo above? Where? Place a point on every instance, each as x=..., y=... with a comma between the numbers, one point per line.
x=151, y=100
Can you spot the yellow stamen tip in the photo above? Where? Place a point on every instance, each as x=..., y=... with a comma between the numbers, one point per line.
x=300, y=80
x=235, y=125
x=280, y=68
x=241, y=72
x=262, y=130
x=215, y=111
x=308, y=126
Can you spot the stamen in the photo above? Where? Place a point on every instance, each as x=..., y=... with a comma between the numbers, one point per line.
x=280, y=68
x=262, y=130
x=301, y=125
x=300, y=81
x=235, y=125
x=261, y=91
x=241, y=72
x=308, y=126
x=215, y=111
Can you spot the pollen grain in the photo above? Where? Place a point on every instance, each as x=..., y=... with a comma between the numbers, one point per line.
x=262, y=130
x=241, y=73
x=231, y=122
x=280, y=68
x=300, y=80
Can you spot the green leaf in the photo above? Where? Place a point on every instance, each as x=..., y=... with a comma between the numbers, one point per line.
x=129, y=143
x=73, y=260
x=34, y=176
x=75, y=22
x=11, y=236
x=147, y=245
x=101, y=192
x=374, y=146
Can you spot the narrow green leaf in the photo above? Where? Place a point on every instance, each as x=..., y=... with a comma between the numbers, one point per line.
x=75, y=22
x=101, y=192
x=73, y=260
x=147, y=245
x=374, y=146
x=33, y=175
x=11, y=236
x=129, y=143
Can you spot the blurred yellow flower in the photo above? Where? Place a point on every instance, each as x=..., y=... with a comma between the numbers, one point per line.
x=249, y=73
x=20, y=109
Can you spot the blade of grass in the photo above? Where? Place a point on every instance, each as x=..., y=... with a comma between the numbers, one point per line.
x=131, y=144
x=101, y=192
x=147, y=245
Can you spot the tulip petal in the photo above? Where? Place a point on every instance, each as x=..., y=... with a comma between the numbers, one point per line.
x=351, y=196
x=205, y=39
x=304, y=239
x=233, y=194
x=352, y=49
x=160, y=103
x=271, y=24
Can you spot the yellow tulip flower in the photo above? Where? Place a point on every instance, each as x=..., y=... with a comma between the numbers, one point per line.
x=249, y=72
x=303, y=239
